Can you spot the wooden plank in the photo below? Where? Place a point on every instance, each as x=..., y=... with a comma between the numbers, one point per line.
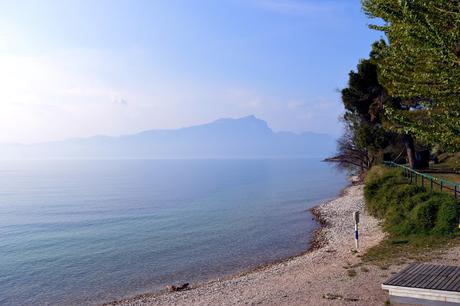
x=415, y=277
x=437, y=276
x=440, y=277
x=445, y=278
x=423, y=276
x=419, y=276
x=427, y=276
x=401, y=276
x=453, y=277
x=457, y=287
x=450, y=285
x=395, y=278
x=455, y=284
x=409, y=280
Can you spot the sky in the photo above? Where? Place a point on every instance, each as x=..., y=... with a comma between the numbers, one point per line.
x=83, y=68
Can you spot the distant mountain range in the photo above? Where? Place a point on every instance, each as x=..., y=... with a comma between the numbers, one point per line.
x=247, y=137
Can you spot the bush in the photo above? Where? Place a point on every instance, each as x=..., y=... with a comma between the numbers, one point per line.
x=413, y=200
x=377, y=177
x=395, y=220
x=408, y=209
x=377, y=190
x=446, y=221
x=422, y=218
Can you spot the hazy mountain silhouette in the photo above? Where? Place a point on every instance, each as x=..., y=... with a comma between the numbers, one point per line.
x=246, y=137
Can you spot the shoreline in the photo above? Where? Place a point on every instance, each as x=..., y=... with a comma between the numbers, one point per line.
x=330, y=248
x=317, y=241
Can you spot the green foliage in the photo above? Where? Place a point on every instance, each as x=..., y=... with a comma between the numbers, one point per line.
x=422, y=218
x=377, y=172
x=408, y=209
x=447, y=216
x=374, y=138
x=421, y=64
x=363, y=89
x=365, y=139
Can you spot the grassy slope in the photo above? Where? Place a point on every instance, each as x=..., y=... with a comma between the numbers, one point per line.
x=400, y=247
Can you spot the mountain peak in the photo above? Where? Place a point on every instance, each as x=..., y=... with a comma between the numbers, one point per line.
x=241, y=137
x=245, y=118
x=250, y=117
x=245, y=124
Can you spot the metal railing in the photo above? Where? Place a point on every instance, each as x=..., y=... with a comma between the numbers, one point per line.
x=427, y=180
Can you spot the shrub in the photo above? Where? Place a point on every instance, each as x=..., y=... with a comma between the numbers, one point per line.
x=376, y=172
x=377, y=190
x=408, y=209
x=447, y=218
x=377, y=177
x=395, y=221
x=423, y=217
x=414, y=199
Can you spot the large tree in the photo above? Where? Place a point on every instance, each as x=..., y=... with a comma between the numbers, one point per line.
x=421, y=64
x=365, y=138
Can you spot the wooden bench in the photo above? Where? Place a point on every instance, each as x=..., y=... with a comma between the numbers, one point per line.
x=425, y=284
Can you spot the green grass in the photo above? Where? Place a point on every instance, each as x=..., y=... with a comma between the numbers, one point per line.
x=398, y=250
x=419, y=223
x=408, y=209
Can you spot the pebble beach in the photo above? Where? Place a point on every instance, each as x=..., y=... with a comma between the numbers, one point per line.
x=321, y=276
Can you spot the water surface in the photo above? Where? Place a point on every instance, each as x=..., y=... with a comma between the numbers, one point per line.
x=74, y=232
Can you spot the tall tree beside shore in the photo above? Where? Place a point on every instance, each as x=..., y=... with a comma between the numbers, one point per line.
x=365, y=137
x=421, y=64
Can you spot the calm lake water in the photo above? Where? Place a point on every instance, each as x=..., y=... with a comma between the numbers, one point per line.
x=82, y=232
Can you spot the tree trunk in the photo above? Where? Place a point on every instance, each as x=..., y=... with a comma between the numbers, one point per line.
x=410, y=149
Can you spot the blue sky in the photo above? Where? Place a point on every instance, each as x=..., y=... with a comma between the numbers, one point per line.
x=83, y=68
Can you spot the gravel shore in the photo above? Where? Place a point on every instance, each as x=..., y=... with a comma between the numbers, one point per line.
x=326, y=275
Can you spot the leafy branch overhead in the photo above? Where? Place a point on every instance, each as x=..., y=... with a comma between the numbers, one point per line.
x=420, y=63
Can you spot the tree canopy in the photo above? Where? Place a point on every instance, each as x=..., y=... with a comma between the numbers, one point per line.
x=420, y=63
x=365, y=139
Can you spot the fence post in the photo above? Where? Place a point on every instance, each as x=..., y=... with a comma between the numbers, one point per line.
x=413, y=177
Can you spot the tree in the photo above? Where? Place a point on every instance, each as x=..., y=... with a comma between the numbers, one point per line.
x=421, y=64
x=365, y=138
x=351, y=156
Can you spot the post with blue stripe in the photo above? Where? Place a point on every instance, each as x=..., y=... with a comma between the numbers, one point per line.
x=356, y=217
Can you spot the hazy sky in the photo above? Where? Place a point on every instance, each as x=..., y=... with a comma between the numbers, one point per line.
x=81, y=68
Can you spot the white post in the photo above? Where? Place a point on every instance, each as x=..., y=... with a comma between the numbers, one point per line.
x=356, y=218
